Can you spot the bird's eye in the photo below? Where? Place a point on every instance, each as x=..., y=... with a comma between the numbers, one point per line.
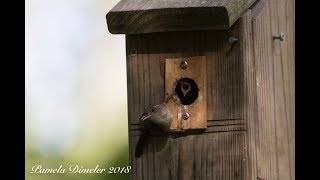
x=153, y=109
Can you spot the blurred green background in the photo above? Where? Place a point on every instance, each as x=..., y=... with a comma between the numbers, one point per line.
x=76, y=98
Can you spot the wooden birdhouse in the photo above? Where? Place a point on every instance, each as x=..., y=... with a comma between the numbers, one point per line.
x=230, y=67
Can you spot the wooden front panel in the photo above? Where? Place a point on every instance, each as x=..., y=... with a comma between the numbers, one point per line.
x=197, y=111
x=218, y=152
x=250, y=91
x=212, y=156
x=146, y=54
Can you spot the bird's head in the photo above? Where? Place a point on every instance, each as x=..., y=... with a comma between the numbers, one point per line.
x=185, y=87
x=151, y=112
x=158, y=114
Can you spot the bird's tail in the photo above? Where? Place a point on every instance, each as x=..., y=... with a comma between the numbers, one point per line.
x=139, y=148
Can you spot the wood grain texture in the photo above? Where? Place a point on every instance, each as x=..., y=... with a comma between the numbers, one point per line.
x=196, y=157
x=146, y=70
x=250, y=100
x=274, y=62
x=197, y=70
x=217, y=152
x=212, y=126
x=146, y=16
x=250, y=108
x=257, y=7
x=269, y=82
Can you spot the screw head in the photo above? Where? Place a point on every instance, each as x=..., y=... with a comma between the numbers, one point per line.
x=185, y=116
x=133, y=52
x=279, y=36
x=233, y=39
x=184, y=65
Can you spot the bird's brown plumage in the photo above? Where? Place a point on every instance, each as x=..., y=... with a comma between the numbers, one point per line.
x=158, y=116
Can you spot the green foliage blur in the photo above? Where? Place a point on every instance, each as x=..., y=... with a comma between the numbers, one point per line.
x=120, y=159
x=76, y=99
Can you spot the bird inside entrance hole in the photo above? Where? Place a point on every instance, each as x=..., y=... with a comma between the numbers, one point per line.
x=187, y=90
x=156, y=118
x=185, y=87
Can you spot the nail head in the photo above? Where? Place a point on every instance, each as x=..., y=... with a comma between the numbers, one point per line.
x=279, y=36
x=233, y=39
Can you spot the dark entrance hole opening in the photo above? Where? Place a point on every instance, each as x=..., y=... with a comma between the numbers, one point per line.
x=187, y=90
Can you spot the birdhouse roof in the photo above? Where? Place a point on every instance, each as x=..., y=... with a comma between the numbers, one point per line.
x=146, y=16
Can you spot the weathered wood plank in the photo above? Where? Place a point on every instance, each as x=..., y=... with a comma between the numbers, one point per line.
x=283, y=62
x=215, y=153
x=275, y=90
x=257, y=7
x=212, y=129
x=250, y=92
x=266, y=129
x=146, y=16
x=206, y=156
x=146, y=70
x=198, y=109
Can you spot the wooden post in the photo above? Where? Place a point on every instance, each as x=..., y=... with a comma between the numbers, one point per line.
x=249, y=132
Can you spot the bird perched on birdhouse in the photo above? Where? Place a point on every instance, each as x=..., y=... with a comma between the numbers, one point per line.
x=156, y=118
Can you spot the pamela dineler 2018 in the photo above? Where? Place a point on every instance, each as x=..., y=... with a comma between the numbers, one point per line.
x=39, y=169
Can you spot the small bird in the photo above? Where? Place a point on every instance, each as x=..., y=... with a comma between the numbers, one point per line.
x=156, y=118
x=185, y=87
x=187, y=90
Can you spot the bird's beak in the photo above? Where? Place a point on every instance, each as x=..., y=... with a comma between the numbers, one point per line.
x=184, y=93
x=145, y=117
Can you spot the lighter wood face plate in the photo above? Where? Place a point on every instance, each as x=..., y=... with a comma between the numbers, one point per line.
x=197, y=111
